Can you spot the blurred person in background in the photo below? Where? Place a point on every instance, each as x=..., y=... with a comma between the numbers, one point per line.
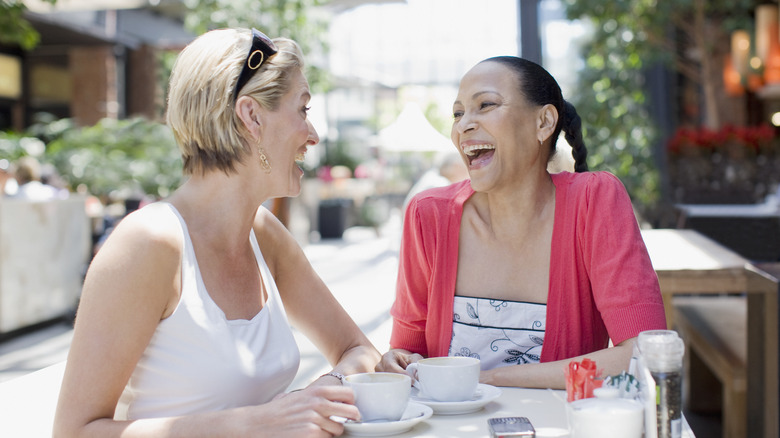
x=447, y=168
x=524, y=269
x=28, y=176
x=182, y=328
x=8, y=184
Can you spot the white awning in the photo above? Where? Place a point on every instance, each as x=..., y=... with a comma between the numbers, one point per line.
x=411, y=132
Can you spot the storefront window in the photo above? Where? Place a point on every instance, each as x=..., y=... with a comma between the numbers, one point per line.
x=10, y=77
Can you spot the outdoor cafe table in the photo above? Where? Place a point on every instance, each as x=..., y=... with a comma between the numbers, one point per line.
x=690, y=263
x=544, y=408
x=27, y=407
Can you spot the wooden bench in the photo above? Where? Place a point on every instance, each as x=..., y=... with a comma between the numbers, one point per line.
x=714, y=329
x=690, y=264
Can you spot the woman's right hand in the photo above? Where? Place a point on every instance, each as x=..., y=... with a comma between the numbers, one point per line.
x=307, y=413
x=396, y=361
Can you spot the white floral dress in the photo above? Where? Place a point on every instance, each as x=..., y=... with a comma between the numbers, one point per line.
x=497, y=332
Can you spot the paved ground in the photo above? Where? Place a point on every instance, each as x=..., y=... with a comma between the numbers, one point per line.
x=34, y=350
x=360, y=269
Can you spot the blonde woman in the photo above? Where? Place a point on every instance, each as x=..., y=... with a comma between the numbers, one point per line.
x=182, y=329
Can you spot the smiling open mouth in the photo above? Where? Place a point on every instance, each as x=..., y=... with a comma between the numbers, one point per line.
x=299, y=158
x=474, y=151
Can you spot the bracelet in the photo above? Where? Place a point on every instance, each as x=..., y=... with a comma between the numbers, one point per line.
x=336, y=375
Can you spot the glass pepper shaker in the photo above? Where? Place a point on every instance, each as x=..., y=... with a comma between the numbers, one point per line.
x=662, y=351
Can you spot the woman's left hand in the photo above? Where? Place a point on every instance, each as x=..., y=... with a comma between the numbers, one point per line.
x=396, y=361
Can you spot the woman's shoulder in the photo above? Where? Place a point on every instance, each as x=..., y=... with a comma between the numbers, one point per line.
x=591, y=177
x=275, y=241
x=588, y=182
x=444, y=197
x=268, y=227
x=157, y=225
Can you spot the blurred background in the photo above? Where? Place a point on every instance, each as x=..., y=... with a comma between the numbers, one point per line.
x=679, y=98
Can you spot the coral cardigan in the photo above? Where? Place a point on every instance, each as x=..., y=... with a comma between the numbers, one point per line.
x=602, y=284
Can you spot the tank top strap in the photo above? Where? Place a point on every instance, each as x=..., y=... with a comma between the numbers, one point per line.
x=268, y=281
x=189, y=263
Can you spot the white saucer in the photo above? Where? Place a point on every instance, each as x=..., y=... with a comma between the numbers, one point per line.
x=482, y=396
x=414, y=413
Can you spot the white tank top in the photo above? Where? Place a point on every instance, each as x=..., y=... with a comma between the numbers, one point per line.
x=199, y=361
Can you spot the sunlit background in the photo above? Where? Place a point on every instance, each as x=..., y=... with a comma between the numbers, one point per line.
x=680, y=99
x=385, y=56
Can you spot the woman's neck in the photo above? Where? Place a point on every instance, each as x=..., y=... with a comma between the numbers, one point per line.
x=218, y=208
x=515, y=210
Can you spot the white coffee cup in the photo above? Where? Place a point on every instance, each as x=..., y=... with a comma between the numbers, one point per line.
x=380, y=396
x=446, y=379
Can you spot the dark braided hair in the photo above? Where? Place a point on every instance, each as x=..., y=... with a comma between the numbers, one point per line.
x=540, y=88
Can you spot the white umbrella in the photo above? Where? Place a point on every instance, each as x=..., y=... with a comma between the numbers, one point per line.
x=411, y=132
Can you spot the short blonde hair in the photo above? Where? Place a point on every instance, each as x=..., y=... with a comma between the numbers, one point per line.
x=201, y=108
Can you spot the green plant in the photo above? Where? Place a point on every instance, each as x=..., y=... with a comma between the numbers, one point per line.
x=14, y=28
x=612, y=103
x=298, y=20
x=629, y=37
x=14, y=145
x=129, y=156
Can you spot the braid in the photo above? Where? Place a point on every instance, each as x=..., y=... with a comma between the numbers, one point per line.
x=572, y=127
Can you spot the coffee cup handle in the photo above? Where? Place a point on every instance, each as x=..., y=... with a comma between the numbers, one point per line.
x=411, y=370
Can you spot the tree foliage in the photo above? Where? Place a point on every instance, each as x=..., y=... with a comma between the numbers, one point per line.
x=611, y=100
x=628, y=37
x=299, y=20
x=14, y=28
x=113, y=158
x=131, y=157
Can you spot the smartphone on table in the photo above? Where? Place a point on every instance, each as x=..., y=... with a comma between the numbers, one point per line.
x=506, y=427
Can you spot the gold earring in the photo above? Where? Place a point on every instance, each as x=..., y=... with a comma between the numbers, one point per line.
x=264, y=160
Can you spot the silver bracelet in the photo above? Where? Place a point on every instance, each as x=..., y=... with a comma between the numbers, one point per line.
x=336, y=375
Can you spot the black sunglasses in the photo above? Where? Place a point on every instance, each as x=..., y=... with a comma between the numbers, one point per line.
x=262, y=49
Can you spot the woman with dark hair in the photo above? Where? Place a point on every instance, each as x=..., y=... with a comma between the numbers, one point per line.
x=519, y=266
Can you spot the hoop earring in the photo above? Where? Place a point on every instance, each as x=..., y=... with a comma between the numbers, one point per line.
x=264, y=160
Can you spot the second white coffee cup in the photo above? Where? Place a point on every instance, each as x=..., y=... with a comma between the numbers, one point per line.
x=446, y=379
x=380, y=396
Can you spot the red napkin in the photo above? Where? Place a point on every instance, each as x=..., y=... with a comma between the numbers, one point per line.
x=581, y=379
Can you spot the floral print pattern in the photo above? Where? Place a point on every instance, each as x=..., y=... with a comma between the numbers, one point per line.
x=498, y=332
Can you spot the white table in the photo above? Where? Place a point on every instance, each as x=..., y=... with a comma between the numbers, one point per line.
x=27, y=403
x=546, y=409
x=27, y=406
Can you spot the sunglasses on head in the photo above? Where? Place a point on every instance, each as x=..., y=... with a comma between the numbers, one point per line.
x=262, y=49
